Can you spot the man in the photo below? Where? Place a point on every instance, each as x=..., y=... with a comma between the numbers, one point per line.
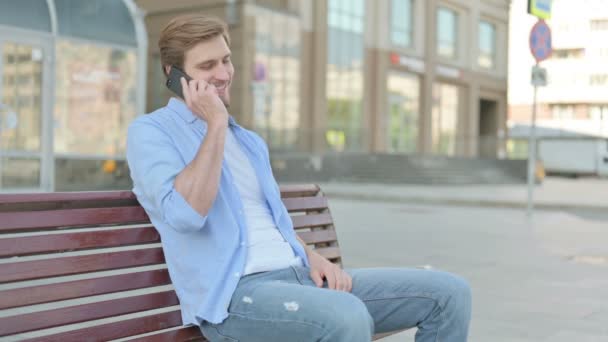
x=238, y=268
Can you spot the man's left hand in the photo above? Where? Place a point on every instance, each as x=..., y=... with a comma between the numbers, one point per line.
x=321, y=268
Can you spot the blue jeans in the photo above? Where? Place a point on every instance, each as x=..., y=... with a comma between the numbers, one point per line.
x=286, y=305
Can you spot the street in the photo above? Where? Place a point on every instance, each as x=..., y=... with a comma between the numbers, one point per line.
x=540, y=280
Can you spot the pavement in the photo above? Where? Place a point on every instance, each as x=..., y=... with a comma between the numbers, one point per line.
x=553, y=193
x=534, y=279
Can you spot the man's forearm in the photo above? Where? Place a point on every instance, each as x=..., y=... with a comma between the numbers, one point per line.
x=308, y=249
x=199, y=181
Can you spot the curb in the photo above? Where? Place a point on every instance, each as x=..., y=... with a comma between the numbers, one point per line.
x=463, y=202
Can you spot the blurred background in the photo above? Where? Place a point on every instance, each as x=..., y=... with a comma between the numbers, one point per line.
x=405, y=91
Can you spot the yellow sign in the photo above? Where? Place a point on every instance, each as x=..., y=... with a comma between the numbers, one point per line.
x=540, y=8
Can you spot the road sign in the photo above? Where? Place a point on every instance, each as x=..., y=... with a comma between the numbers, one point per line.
x=540, y=41
x=540, y=8
x=539, y=76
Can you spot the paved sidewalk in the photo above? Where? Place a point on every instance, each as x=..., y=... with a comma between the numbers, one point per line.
x=553, y=193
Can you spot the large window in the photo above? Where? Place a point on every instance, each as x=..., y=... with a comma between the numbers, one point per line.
x=401, y=23
x=276, y=81
x=445, y=118
x=345, y=75
x=94, y=98
x=63, y=124
x=487, y=45
x=447, y=32
x=403, y=113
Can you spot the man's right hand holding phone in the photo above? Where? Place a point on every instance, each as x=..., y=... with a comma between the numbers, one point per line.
x=203, y=100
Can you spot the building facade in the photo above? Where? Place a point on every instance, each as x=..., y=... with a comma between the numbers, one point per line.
x=410, y=77
x=386, y=76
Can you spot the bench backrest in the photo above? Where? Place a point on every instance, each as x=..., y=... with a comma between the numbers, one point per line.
x=89, y=265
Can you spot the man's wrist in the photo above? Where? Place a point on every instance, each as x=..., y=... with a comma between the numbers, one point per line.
x=217, y=126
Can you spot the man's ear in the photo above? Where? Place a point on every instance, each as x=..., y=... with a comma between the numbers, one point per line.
x=167, y=69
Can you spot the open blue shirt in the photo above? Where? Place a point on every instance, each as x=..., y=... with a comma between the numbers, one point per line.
x=205, y=255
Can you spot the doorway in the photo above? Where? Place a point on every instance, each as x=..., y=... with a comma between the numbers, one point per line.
x=488, y=126
x=26, y=159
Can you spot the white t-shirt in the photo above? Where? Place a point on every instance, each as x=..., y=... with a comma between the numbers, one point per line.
x=267, y=249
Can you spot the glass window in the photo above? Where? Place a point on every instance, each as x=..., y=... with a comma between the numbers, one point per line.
x=447, y=32
x=345, y=75
x=401, y=22
x=598, y=79
x=599, y=25
x=20, y=173
x=563, y=111
x=487, y=45
x=276, y=79
x=21, y=104
x=101, y=20
x=444, y=118
x=403, y=112
x=94, y=98
x=27, y=14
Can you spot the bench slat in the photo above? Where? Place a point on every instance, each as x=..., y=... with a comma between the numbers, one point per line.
x=311, y=220
x=67, y=196
x=82, y=288
x=305, y=203
x=299, y=190
x=116, y=330
x=186, y=333
x=192, y=333
x=68, y=241
x=31, y=220
x=329, y=252
x=318, y=236
x=85, y=312
x=36, y=269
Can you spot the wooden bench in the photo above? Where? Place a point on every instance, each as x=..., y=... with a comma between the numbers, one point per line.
x=88, y=266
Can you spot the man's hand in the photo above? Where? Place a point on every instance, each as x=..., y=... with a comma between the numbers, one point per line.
x=203, y=100
x=321, y=268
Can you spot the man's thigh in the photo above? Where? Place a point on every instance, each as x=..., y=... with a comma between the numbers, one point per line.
x=398, y=298
x=281, y=310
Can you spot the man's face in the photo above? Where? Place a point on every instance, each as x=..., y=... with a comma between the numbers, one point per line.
x=210, y=61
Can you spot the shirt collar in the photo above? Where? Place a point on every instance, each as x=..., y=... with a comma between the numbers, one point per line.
x=186, y=114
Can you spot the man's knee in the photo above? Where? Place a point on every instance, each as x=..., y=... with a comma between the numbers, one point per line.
x=457, y=293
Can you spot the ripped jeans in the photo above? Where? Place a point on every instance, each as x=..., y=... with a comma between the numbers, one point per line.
x=286, y=305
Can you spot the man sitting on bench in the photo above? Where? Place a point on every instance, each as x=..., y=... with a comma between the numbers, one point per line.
x=239, y=269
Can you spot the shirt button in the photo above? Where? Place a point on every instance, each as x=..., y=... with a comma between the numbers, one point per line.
x=237, y=274
x=243, y=243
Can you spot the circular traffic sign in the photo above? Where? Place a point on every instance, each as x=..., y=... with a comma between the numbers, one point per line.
x=540, y=41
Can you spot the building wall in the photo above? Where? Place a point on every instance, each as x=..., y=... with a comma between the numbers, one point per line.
x=382, y=127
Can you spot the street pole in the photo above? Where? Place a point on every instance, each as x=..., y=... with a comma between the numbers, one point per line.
x=532, y=157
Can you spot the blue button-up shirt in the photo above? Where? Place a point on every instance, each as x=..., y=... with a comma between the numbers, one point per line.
x=205, y=255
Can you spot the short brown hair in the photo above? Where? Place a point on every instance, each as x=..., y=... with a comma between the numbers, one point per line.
x=184, y=32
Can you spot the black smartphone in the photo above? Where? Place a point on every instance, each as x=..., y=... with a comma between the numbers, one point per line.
x=174, y=82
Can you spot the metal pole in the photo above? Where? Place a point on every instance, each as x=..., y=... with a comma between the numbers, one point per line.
x=532, y=157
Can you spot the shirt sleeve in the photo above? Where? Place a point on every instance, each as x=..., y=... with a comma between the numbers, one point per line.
x=154, y=162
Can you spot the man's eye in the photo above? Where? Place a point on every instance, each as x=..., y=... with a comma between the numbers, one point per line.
x=227, y=60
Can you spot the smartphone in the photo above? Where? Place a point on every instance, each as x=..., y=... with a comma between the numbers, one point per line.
x=174, y=80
